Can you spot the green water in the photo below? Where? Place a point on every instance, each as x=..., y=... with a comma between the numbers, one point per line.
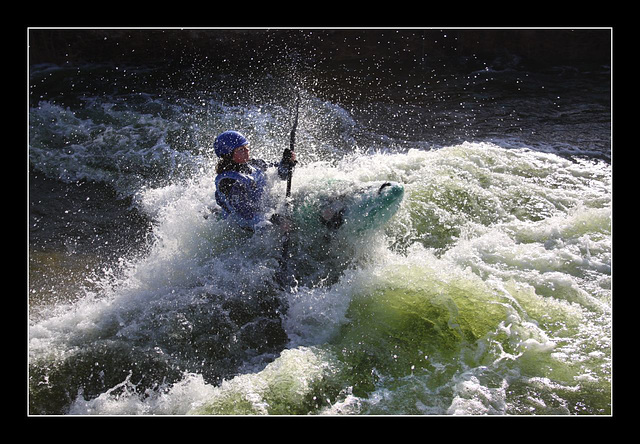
x=488, y=292
x=490, y=295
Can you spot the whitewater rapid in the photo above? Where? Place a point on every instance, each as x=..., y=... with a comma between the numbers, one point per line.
x=488, y=292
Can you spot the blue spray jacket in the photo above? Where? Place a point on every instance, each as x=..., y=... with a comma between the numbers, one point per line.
x=240, y=193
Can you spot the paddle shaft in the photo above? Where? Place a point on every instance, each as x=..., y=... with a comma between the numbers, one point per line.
x=285, y=246
x=292, y=143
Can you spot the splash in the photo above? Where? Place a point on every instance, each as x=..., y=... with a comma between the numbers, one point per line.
x=487, y=292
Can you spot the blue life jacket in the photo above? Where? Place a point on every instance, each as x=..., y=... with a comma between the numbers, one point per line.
x=241, y=198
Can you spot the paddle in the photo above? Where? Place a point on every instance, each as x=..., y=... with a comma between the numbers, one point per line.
x=283, y=274
x=292, y=143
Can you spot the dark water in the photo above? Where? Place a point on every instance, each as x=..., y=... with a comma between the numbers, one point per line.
x=139, y=304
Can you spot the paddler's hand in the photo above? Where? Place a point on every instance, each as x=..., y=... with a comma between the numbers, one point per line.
x=289, y=158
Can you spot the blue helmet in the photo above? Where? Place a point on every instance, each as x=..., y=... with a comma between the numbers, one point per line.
x=227, y=142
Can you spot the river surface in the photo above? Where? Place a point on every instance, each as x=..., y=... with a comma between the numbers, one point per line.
x=488, y=293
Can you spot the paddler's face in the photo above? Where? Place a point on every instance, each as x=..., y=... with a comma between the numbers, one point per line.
x=241, y=154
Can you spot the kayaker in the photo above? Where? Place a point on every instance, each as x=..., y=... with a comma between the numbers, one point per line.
x=241, y=181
